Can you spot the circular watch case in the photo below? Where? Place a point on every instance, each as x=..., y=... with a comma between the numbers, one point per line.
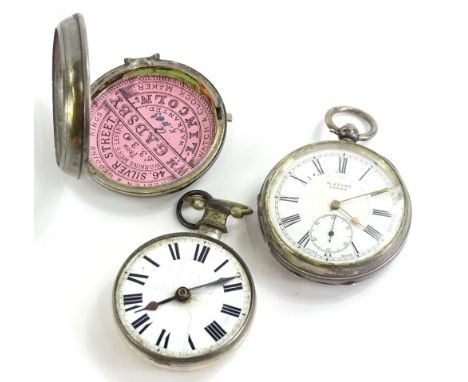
x=314, y=269
x=73, y=94
x=185, y=363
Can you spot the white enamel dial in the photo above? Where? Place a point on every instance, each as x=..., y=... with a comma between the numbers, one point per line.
x=337, y=185
x=183, y=296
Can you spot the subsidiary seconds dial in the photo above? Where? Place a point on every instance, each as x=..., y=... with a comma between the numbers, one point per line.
x=331, y=234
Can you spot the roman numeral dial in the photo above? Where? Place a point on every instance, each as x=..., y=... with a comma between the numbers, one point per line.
x=290, y=220
x=149, y=260
x=302, y=181
x=215, y=331
x=137, y=278
x=371, y=231
x=174, y=250
x=183, y=295
x=132, y=301
x=135, y=298
x=318, y=166
x=382, y=213
x=343, y=162
x=292, y=199
x=201, y=254
x=232, y=287
x=304, y=240
x=192, y=345
x=231, y=310
x=163, y=338
x=142, y=323
x=333, y=203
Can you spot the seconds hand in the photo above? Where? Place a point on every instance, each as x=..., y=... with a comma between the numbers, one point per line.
x=331, y=233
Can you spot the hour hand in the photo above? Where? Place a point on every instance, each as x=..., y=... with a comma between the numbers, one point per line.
x=354, y=220
x=153, y=305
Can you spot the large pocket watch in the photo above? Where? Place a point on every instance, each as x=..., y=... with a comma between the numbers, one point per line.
x=148, y=127
x=335, y=212
x=184, y=299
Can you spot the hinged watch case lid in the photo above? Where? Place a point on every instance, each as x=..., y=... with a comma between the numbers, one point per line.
x=71, y=95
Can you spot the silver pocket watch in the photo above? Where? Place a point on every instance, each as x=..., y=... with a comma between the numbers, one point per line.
x=184, y=299
x=335, y=212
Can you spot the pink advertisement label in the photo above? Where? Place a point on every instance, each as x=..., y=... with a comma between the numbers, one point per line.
x=149, y=130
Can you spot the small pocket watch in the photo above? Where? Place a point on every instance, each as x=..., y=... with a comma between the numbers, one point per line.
x=184, y=299
x=148, y=127
x=335, y=212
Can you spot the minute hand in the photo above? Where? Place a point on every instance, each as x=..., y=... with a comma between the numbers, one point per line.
x=373, y=193
x=221, y=280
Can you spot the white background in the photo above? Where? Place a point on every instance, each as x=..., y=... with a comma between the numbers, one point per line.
x=278, y=66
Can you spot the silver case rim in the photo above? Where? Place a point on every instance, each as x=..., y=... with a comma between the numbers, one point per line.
x=317, y=271
x=71, y=109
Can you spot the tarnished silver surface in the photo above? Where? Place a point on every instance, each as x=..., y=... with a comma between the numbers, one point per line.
x=71, y=95
x=349, y=132
x=216, y=212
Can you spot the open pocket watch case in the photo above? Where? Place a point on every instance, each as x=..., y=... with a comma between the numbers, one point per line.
x=146, y=128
